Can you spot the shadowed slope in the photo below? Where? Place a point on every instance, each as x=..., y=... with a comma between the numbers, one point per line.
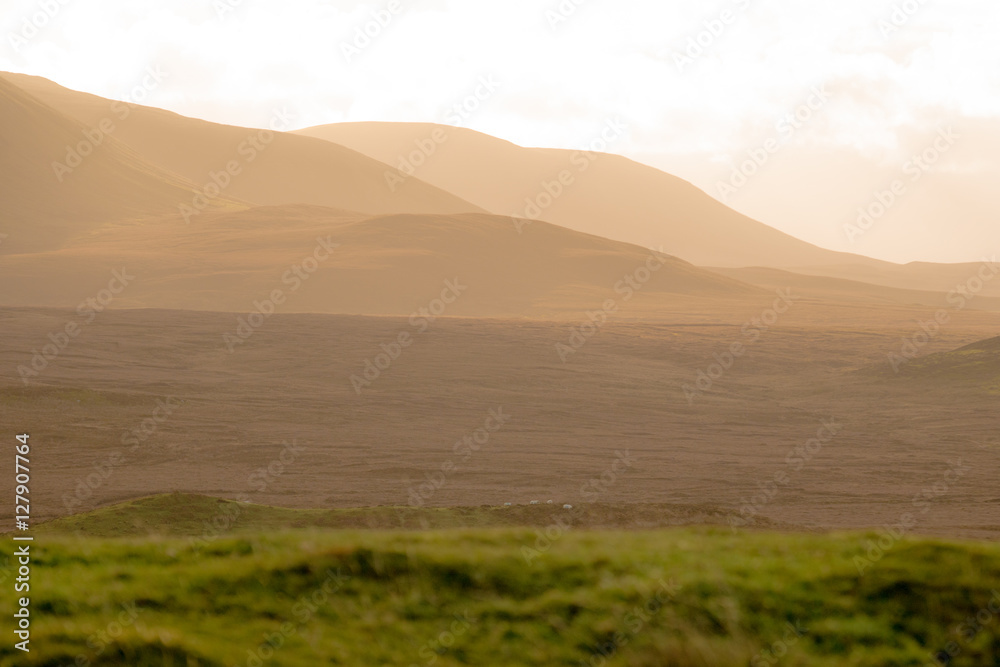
x=618, y=198
x=48, y=198
x=608, y=195
x=975, y=365
x=333, y=261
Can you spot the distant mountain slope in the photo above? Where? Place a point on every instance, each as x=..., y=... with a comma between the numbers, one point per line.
x=618, y=198
x=384, y=265
x=273, y=168
x=59, y=178
x=842, y=289
x=603, y=194
x=964, y=282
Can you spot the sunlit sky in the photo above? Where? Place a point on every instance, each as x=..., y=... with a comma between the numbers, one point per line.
x=561, y=69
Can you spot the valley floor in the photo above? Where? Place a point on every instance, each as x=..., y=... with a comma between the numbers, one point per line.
x=809, y=427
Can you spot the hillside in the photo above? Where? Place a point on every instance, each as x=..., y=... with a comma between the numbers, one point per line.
x=272, y=168
x=59, y=178
x=854, y=291
x=608, y=195
x=614, y=197
x=385, y=265
x=972, y=366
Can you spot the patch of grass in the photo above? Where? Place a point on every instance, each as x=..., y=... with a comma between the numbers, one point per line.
x=977, y=363
x=179, y=514
x=692, y=597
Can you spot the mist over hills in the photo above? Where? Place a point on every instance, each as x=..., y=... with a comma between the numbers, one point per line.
x=215, y=215
x=266, y=167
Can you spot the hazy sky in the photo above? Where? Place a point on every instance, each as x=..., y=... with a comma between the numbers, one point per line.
x=699, y=83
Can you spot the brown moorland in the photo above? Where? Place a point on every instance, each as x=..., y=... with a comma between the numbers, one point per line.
x=97, y=411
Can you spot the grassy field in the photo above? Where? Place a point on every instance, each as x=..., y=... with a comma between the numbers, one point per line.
x=202, y=518
x=532, y=595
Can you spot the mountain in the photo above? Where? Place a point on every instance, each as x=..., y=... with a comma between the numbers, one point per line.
x=612, y=196
x=963, y=283
x=946, y=196
x=145, y=161
x=334, y=261
x=254, y=165
x=854, y=291
x=60, y=178
x=597, y=193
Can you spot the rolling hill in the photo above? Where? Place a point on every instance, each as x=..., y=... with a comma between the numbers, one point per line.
x=972, y=366
x=268, y=168
x=60, y=178
x=149, y=159
x=601, y=193
x=612, y=196
x=854, y=291
x=349, y=263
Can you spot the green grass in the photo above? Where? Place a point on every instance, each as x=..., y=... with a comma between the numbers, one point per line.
x=399, y=593
x=978, y=363
x=199, y=516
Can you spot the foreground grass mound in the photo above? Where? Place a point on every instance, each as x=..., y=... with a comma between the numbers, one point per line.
x=496, y=597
